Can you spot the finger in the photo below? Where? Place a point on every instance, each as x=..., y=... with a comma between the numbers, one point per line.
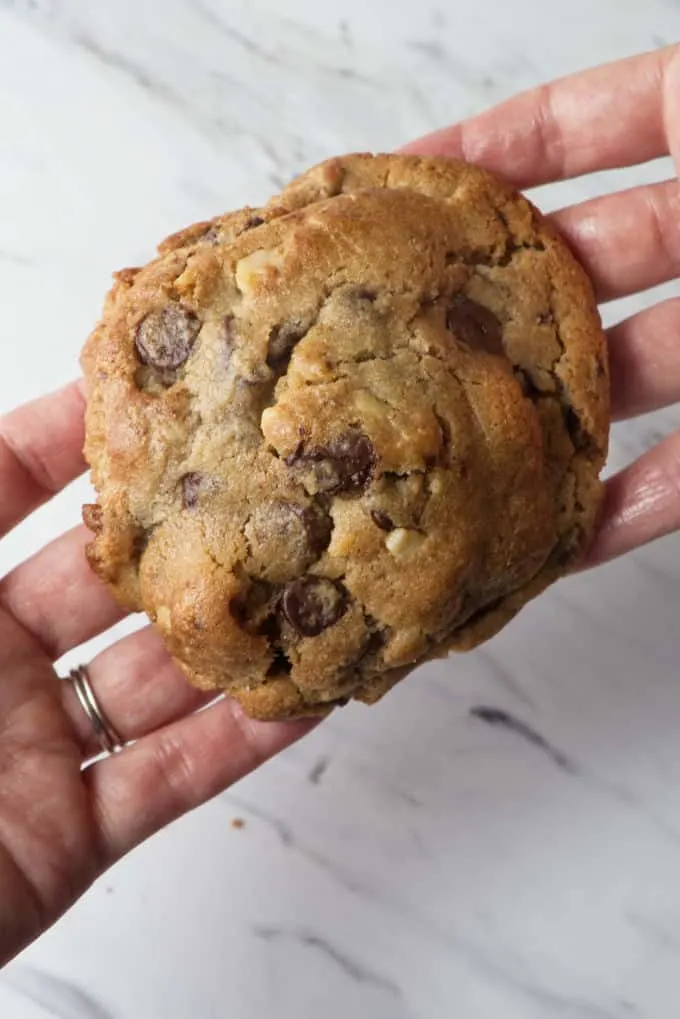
x=641, y=503
x=644, y=360
x=606, y=117
x=57, y=598
x=628, y=241
x=155, y=781
x=138, y=688
x=40, y=452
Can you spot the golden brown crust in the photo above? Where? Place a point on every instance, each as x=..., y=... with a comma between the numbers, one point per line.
x=346, y=432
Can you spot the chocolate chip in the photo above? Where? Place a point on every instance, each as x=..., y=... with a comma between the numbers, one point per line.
x=285, y=538
x=282, y=339
x=382, y=520
x=345, y=465
x=475, y=325
x=191, y=486
x=165, y=337
x=283, y=519
x=251, y=223
x=318, y=527
x=312, y=604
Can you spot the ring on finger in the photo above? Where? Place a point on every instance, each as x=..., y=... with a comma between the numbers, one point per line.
x=105, y=733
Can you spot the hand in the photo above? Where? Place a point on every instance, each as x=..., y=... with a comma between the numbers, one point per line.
x=616, y=115
x=60, y=827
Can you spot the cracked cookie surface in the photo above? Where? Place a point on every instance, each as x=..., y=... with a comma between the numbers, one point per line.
x=347, y=432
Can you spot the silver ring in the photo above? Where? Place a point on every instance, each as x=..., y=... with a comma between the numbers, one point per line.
x=106, y=735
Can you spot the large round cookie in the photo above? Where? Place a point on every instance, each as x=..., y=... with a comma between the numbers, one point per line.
x=345, y=433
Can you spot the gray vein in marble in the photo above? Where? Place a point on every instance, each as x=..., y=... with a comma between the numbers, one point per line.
x=604, y=786
x=278, y=174
x=345, y=32
x=420, y=99
x=117, y=62
x=282, y=830
x=135, y=71
x=287, y=839
x=318, y=770
x=272, y=57
x=311, y=35
x=507, y=975
x=561, y=1006
x=59, y=997
x=430, y=48
x=382, y=782
x=654, y=932
x=350, y=74
x=483, y=962
x=239, y=38
x=434, y=50
x=351, y=967
x=16, y=258
x=45, y=8
x=503, y=719
x=404, y=797
x=503, y=676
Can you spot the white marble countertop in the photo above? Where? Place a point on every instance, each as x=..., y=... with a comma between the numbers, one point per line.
x=411, y=861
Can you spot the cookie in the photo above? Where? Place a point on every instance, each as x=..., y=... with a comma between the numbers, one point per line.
x=345, y=433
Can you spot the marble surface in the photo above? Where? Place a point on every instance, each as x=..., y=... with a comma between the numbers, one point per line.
x=414, y=861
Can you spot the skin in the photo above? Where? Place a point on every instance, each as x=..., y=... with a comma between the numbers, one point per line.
x=61, y=827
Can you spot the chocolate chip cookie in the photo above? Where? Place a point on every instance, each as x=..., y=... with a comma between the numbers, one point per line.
x=345, y=433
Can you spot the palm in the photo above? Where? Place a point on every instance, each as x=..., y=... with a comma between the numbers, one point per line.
x=59, y=826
